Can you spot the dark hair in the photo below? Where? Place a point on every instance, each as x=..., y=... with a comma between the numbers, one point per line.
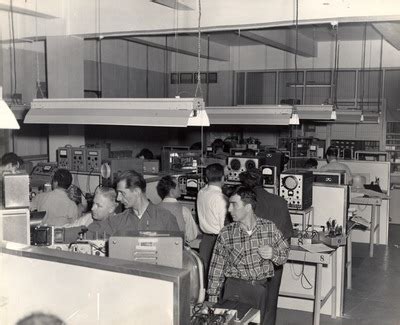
x=196, y=146
x=251, y=178
x=146, y=153
x=133, y=179
x=332, y=151
x=75, y=194
x=165, y=185
x=40, y=319
x=11, y=158
x=214, y=172
x=247, y=196
x=311, y=163
x=63, y=177
x=217, y=144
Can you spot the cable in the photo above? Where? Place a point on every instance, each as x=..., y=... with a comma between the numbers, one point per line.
x=363, y=68
x=38, y=87
x=176, y=23
x=198, y=86
x=13, y=50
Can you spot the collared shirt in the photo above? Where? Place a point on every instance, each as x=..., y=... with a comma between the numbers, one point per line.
x=60, y=209
x=154, y=218
x=211, y=209
x=183, y=216
x=85, y=221
x=336, y=165
x=236, y=254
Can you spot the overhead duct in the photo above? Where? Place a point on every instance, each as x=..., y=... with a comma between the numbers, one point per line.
x=250, y=115
x=163, y=112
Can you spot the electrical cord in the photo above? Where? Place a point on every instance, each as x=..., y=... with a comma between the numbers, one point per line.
x=203, y=314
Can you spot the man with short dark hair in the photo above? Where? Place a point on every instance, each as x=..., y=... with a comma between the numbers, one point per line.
x=60, y=209
x=244, y=255
x=333, y=164
x=168, y=190
x=11, y=162
x=139, y=215
x=273, y=208
x=211, y=210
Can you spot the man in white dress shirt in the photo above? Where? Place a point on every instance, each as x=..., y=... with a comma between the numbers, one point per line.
x=212, y=208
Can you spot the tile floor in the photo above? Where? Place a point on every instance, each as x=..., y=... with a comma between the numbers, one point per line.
x=375, y=297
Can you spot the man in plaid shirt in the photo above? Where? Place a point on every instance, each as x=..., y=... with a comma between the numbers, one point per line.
x=244, y=254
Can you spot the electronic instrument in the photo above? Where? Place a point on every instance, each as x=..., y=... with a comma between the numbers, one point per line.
x=330, y=177
x=190, y=185
x=42, y=174
x=16, y=190
x=372, y=155
x=240, y=164
x=180, y=160
x=94, y=158
x=269, y=178
x=151, y=166
x=159, y=248
x=64, y=157
x=78, y=159
x=276, y=159
x=296, y=188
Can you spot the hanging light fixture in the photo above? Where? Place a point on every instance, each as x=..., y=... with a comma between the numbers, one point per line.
x=7, y=117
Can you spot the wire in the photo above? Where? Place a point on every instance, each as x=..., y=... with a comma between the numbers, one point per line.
x=38, y=87
x=13, y=49
x=198, y=86
x=363, y=67
x=380, y=76
x=176, y=23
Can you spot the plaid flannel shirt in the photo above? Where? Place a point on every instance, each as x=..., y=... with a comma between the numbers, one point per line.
x=236, y=254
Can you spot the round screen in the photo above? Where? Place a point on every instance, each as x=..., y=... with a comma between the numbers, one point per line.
x=290, y=182
x=250, y=164
x=235, y=164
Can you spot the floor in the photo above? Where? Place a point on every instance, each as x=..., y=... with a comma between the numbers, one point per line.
x=375, y=296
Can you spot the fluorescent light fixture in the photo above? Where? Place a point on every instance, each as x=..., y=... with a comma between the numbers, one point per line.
x=250, y=115
x=371, y=118
x=7, y=117
x=163, y=112
x=347, y=116
x=315, y=112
